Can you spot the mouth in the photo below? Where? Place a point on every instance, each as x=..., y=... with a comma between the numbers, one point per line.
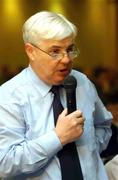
x=60, y=75
x=64, y=70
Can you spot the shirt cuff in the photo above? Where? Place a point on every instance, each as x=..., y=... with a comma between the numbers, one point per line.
x=50, y=143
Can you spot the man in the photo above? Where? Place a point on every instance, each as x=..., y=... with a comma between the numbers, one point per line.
x=29, y=139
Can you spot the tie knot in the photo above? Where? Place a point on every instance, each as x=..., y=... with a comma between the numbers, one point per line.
x=55, y=89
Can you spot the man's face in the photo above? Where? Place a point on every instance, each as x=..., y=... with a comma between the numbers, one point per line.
x=49, y=69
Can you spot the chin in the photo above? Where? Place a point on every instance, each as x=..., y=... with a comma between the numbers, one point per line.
x=60, y=78
x=60, y=81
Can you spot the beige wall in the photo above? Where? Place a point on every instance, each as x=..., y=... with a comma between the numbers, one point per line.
x=96, y=20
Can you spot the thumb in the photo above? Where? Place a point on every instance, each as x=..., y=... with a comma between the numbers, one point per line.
x=64, y=113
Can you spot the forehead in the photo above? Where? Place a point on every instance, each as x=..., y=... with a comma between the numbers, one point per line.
x=64, y=43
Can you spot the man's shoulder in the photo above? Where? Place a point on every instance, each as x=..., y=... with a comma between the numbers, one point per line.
x=15, y=84
x=80, y=77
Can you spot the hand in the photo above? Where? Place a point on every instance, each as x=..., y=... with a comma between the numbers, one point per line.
x=69, y=127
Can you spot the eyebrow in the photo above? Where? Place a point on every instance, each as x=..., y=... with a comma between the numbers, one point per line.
x=59, y=47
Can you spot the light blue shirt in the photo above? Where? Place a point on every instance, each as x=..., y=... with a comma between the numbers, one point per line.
x=28, y=142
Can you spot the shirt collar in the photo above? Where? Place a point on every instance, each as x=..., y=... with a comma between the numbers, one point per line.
x=42, y=87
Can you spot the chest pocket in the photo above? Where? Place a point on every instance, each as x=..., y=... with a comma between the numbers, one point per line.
x=88, y=138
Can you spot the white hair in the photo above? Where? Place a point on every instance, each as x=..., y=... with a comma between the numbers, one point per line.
x=47, y=25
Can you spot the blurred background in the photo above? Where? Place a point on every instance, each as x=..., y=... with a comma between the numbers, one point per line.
x=97, y=22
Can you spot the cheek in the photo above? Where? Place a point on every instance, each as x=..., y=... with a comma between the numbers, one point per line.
x=47, y=67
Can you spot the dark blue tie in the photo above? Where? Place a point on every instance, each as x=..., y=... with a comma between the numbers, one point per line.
x=68, y=156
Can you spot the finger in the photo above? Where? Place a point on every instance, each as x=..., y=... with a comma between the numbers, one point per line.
x=80, y=127
x=64, y=113
x=81, y=124
x=80, y=121
x=76, y=114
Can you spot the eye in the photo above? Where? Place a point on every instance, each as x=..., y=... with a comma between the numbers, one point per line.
x=54, y=53
x=70, y=49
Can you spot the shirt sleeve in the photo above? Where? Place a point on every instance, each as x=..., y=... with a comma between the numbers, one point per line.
x=19, y=155
x=102, y=121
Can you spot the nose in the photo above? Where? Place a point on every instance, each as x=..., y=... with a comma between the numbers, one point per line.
x=66, y=59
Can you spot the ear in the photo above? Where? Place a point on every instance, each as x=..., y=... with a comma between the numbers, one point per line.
x=30, y=51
